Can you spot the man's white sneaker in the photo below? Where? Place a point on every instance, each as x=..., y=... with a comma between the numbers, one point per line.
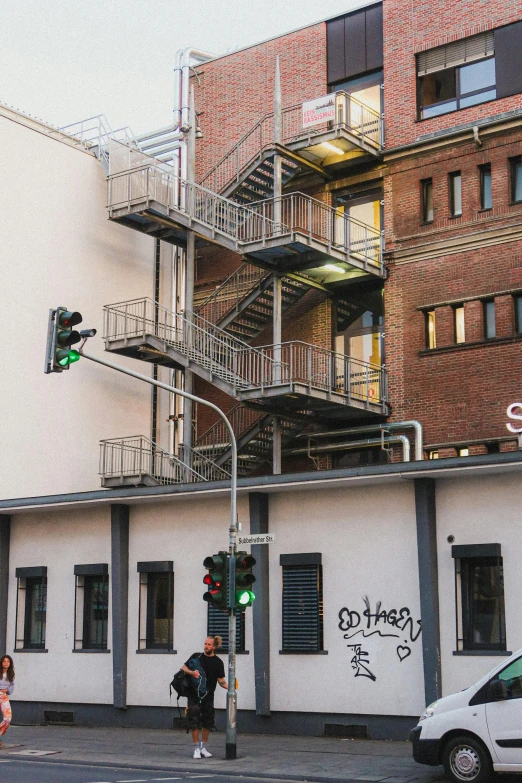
x=197, y=753
x=204, y=752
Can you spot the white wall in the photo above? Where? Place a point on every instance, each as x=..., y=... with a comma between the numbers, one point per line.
x=59, y=248
x=478, y=511
x=367, y=537
x=60, y=541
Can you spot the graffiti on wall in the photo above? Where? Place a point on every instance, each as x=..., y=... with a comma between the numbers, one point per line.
x=376, y=621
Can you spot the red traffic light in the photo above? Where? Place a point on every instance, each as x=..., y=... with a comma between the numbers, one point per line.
x=207, y=580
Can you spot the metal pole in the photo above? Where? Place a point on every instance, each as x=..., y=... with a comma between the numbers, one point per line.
x=231, y=732
x=277, y=300
x=190, y=262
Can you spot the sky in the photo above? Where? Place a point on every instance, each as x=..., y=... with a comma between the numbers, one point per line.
x=66, y=60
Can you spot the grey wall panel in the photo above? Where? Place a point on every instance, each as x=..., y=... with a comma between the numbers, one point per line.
x=355, y=44
x=5, y=536
x=508, y=59
x=374, y=38
x=258, y=506
x=335, y=49
x=120, y=601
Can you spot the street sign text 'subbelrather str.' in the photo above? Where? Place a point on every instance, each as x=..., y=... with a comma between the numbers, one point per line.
x=261, y=538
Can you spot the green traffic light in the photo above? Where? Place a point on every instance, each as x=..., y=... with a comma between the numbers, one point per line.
x=74, y=356
x=245, y=597
x=65, y=358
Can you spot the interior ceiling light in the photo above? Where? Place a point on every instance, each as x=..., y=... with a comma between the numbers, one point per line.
x=332, y=148
x=334, y=268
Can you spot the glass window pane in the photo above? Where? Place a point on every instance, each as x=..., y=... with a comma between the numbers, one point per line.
x=517, y=180
x=35, y=612
x=518, y=314
x=512, y=676
x=437, y=87
x=460, y=333
x=486, y=197
x=439, y=108
x=489, y=319
x=481, y=97
x=427, y=200
x=160, y=609
x=96, y=612
x=477, y=76
x=456, y=194
x=431, y=337
x=485, y=620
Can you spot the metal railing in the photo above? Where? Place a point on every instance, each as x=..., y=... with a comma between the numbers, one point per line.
x=240, y=365
x=215, y=441
x=95, y=132
x=231, y=292
x=351, y=115
x=151, y=183
x=253, y=224
x=322, y=223
x=138, y=456
x=317, y=369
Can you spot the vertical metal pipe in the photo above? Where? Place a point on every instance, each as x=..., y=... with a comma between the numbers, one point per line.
x=278, y=324
x=278, y=133
x=190, y=263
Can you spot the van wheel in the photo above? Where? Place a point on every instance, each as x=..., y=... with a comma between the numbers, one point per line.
x=466, y=759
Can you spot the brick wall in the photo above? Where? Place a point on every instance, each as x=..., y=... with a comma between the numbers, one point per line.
x=410, y=28
x=237, y=90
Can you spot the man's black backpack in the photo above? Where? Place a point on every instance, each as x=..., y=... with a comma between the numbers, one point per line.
x=181, y=683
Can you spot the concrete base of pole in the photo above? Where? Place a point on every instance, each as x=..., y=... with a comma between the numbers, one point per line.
x=231, y=751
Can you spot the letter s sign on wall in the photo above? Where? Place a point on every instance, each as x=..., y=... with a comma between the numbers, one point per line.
x=514, y=412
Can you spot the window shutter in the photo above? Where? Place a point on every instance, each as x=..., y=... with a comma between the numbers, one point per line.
x=456, y=53
x=508, y=59
x=217, y=625
x=302, y=608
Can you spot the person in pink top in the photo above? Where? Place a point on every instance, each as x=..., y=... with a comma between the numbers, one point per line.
x=6, y=688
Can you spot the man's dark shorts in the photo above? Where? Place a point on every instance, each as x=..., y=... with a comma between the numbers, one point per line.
x=201, y=715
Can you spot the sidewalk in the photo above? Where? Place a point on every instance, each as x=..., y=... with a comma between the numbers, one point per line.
x=292, y=758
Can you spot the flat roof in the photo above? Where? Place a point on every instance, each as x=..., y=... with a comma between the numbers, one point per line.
x=452, y=468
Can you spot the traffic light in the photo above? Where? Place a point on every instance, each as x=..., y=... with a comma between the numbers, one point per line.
x=216, y=580
x=244, y=580
x=60, y=337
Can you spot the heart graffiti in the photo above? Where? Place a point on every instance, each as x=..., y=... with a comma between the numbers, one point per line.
x=403, y=652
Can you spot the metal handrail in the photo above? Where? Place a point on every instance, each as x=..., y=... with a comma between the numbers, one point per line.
x=231, y=291
x=327, y=225
x=137, y=455
x=351, y=115
x=292, y=363
x=216, y=439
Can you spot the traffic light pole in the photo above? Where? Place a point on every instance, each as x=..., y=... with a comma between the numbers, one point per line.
x=231, y=732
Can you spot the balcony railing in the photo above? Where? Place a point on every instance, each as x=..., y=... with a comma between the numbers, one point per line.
x=216, y=439
x=230, y=293
x=352, y=116
x=137, y=457
x=242, y=367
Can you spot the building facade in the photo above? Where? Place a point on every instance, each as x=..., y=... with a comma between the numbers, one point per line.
x=327, y=246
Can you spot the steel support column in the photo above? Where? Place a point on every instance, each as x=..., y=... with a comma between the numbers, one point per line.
x=5, y=537
x=425, y=512
x=258, y=505
x=120, y=601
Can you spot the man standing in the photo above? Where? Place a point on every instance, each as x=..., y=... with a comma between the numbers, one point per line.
x=200, y=712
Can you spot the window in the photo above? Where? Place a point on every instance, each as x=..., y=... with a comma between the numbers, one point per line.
x=302, y=603
x=431, y=337
x=455, y=192
x=512, y=676
x=91, y=607
x=489, y=320
x=156, y=605
x=31, y=608
x=486, y=197
x=479, y=583
x=427, y=200
x=464, y=452
x=456, y=75
x=217, y=625
x=460, y=333
x=433, y=454
x=516, y=179
x=518, y=313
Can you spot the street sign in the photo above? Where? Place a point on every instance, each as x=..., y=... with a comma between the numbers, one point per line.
x=261, y=538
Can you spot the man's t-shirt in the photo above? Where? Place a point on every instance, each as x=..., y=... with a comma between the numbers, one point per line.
x=212, y=666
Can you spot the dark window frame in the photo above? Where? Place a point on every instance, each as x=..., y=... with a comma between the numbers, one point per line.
x=426, y=186
x=86, y=578
x=307, y=587
x=453, y=176
x=26, y=586
x=459, y=96
x=149, y=575
x=485, y=172
x=515, y=167
x=517, y=304
x=463, y=571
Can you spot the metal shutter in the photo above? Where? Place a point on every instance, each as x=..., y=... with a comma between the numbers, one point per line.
x=469, y=49
x=217, y=625
x=302, y=608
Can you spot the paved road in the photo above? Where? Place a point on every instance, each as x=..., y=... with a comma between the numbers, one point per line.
x=17, y=771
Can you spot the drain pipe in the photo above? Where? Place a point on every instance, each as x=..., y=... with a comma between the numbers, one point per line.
x=181, y=95
x=355, y=444
x=396, y=425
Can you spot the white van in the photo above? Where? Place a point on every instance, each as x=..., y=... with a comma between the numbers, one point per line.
x=476, y=731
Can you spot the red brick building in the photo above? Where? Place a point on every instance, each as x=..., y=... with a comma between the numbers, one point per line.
x=362, y=265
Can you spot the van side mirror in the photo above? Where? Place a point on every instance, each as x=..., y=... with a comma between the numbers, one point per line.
x=497, y=690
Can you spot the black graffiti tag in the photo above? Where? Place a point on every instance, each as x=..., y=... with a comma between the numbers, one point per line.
x=359, y=661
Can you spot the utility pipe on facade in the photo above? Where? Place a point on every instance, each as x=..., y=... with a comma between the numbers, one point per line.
x=231, y=730
x=190, y=262
x=277, y=288
x=396, y=425
x=356, y=444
